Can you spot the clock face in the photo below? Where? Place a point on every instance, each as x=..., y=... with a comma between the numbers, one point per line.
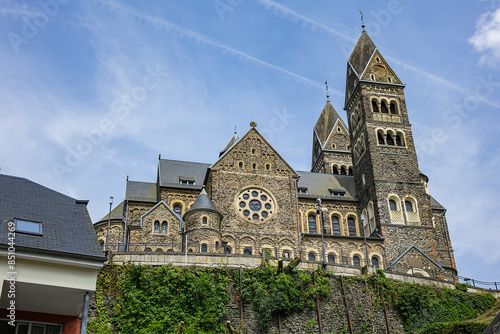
x=255, y=204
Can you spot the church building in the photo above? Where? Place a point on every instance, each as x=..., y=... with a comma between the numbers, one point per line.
x=364, y=201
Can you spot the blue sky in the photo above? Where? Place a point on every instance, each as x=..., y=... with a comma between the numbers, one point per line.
x=93, y=91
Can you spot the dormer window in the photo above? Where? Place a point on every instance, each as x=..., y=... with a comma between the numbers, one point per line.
x=302, y=190
x=187, y=180
x=28, y=226
x=337, y=193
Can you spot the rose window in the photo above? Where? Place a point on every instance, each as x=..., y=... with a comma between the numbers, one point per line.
x=255, y=205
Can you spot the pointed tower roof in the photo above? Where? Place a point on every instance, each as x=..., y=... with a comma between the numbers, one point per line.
x=326, y=122
x=203, y=203
x=367, y=64
x=230, y=144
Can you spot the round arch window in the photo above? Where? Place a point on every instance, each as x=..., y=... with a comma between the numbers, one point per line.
x=255, y=204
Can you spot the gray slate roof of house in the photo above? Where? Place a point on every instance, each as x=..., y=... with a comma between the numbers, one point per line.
x=203, y=202
x=436, y=205
x=66, y=226
x=141, y=192
x=170, y=172
x=321, y=184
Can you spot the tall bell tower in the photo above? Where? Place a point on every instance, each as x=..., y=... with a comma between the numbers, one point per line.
x=392, y=191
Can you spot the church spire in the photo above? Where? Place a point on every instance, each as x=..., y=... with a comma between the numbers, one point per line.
x=233, y=141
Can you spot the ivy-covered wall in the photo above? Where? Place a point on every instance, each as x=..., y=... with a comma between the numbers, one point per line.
x=156, y=299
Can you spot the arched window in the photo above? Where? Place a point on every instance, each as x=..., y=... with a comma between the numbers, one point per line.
x=247, y=251
x=204, y=220
x=393, y=108
x=240, y=165
x=267, y=167
x=331, y=258
x=148, y=249
x=335, y=225
x=335, y=170
x=375, y=262
x=408, y=206
x=286, y=254
x=312, y=223
x=216, y=246
x=392, y=205
x=204, y=248
x=398, y=140
x=380, y=138
x=178, y=209
x=343, y=171
x=351, y=224
x=157, y=226
x=350, y=171
x=254, y=166
x=311, y=256
x=101, y=243
x=375, y=106
x=384, y=108
x=227, y=249
x=159, y=250
x=390, y=141
x=356, y=261
x=164, y=227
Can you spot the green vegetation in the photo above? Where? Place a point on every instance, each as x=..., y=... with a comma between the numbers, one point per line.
x=155, y=299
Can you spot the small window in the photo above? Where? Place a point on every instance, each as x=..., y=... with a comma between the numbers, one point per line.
x=380, y=139
x=334, y=146
x=312, y=224
x=408, y=206
x=159, y=250
x=372, y=77
x=351, y=224
x=311, y=256
x=247, y=251
x=240, y=165
x=204, y=248
x=253, y=151
x=375, y=262
x=268, y=167
x=398, y=140
x=374, y=106
x=254, y=166
x=393, y=107
x=286, y=254
x=186, y=182
x=302, y=190
x=27, y=226
x=392, y=205
x=331, y=258
x=157, y=226
x=350, y=171
x=356, y=261
x=384, y=108
x=148, y=250
x=389, y=79
x=204, y=221
x=335, y=225
x=377, y=59
x=343, y=171
x=227, y=249
x=178, y=209
x=390, y=141
x=335, y=170
x=338, y=193
x=164, y=227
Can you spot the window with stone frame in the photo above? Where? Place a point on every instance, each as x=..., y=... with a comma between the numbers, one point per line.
x=178, y=209
x=156, y=226
x=331, y=258
x=375, y=262
x=204, y=221
x=164, y=227
x=351, y=224
x=335, y=225
x=311, y=256
x=356, y=261
x=204, y=248
x=311, y=219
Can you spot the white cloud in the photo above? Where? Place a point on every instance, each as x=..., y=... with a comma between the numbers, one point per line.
x=486, y=39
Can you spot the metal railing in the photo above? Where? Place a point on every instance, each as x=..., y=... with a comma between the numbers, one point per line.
x=479, y=284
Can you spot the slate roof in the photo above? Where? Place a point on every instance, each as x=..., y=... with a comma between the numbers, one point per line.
x=362, y=52
x=66, y=225
x=321, y=184
x=326, y=121
x=116, y=213
x=203, y=202
x=141, y=192
x=436, y=205
x=169, y=172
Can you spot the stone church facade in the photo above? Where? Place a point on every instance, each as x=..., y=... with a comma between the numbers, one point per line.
x=364, y=181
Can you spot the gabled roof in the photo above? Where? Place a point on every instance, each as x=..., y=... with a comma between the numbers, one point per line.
x=321, y=184
x=116, y=213
x=326, y=122
x=141, y=192
x=436, y=205
x=66, y=226
x=169, y=172
x=420, y=251
x=203, y=203
x=253, y=129
x=154, y=208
